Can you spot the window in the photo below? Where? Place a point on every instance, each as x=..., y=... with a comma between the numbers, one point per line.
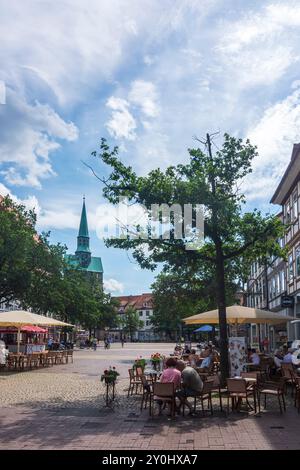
x=282, y=281
x=291, y=268
x=295, y=205
x=141, y=313
x=287, y=213
x=277, y=284
x=147, y=313
x=147, y=322
x=297, y=261
x=273, y=286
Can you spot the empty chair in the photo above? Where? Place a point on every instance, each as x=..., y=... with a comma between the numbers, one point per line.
x=237, y=391
x=297, y=393
x=134, y=382
x=69, y=355
x=273, y=389
x=287, y=371
x=217, y=388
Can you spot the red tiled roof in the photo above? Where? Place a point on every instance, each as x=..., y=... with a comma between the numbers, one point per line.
x=135, y=301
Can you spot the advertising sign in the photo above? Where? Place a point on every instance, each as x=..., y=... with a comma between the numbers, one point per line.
x=237, y=355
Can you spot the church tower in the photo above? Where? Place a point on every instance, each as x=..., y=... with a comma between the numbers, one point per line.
x=83, y=251
x=83, y=259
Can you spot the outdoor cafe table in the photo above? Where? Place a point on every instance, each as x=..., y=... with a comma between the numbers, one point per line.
x=153, y=374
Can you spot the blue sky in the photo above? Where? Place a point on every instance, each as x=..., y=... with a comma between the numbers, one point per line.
x=148, y=75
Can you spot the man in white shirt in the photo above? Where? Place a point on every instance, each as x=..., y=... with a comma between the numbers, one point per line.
x=277, y=359
x=288, y=358
x=255, y=359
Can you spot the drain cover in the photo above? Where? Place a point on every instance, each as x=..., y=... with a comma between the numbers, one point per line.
x=276, y=427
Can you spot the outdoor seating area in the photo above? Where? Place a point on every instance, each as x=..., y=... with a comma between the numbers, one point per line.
x=20, y=361
x=255, y=390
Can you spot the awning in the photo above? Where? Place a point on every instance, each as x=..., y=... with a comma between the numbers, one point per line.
x=204, y=328
x=19, y=318
x=33, y=329
x=237, y=314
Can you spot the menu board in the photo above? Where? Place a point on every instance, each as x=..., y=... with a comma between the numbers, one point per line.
x=237, y=355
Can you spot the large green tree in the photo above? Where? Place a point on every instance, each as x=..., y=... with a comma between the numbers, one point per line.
x=211, y=179
x=181, y=292
x=130, y=322
x=30, y=267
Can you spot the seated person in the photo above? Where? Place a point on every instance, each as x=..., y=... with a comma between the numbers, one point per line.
x=206, y=351
x=215, y=354
x=193, y=358
x=191, y=384
x=177, y=350
x=254, y=357
x=288, y=357
x=171, y=373
x=278, y=359
x=206, y=363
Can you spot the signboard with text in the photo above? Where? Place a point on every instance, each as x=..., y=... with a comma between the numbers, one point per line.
x=287, y=301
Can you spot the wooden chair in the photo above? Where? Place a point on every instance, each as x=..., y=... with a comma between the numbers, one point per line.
x=287, y=371
x=165, y=393
x=273, y=389
x=139, y=372
x=13, y=361
x=237, y=390
x=218, y=389
x=32, y=360
x=50, y=358
x=134, y=382
x=64, y=356
x=147, y=391
x=204, y=395
x=297, y=394
x=69, y=355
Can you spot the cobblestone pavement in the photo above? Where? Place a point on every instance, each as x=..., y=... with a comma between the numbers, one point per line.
x=63, y=407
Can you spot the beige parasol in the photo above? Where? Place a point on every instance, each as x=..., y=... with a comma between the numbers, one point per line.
x=19, y=318
x=238, y=314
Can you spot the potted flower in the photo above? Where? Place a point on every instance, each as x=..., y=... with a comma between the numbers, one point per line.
x=110, y=375
x=156, y=358
x=140, y=362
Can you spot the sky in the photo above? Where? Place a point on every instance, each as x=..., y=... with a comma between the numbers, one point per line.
x=148, y=75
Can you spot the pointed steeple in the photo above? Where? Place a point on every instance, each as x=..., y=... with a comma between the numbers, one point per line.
x=83, y=227
x=83, y=240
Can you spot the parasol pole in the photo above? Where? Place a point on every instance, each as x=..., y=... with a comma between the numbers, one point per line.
x=18, y=340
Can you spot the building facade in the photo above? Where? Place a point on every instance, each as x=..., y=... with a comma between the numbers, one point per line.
x=276, y=286
x=143, y=305
x=83, y=258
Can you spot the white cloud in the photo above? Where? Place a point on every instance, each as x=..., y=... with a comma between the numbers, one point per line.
x=260, y=46
x=144, y=95
x=121, y=123
x=112, y=285
x=274, y=134
x=28, y=135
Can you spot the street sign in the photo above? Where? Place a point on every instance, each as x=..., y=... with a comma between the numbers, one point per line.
x=287, y=301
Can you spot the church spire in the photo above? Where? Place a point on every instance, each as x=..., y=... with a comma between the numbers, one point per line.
x=83, y=239
x=83, y=227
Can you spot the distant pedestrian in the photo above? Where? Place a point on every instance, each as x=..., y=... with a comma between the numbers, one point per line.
x=122, y=342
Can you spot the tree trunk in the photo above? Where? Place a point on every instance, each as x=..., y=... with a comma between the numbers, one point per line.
x=220, y=276
x=224, y=365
